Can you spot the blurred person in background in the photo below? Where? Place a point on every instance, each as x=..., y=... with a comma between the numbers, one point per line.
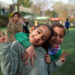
x=67, y=25
x=14, y=26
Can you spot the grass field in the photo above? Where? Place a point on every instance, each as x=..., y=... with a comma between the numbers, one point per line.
x=69, y=45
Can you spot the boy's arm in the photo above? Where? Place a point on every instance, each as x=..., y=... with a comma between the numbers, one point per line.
x=55, y=66
x=47, y=59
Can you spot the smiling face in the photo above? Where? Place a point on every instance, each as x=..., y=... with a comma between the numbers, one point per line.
x=57, y=37
x=39, y=35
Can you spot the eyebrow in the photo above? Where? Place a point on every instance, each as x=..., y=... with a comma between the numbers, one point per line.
x=40, y=30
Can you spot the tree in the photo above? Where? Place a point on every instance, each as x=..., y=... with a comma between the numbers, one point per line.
x=24, y=3
x=65, y=10
x=62, y=9
x=36, y=10
x=51, y=13
x=42, y=4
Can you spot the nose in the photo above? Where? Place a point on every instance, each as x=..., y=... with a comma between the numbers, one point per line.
x=39, y=37
x=58, y=38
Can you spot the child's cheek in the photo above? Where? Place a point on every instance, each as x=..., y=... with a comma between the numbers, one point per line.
x=61, y=41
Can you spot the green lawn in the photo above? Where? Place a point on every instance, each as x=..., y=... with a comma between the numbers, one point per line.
x=2, y=28
x=69, y=45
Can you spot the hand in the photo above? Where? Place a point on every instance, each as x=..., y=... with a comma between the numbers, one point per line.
x=1, y=34
x=6, y=36
x=29, y=55
x=3, y=37
x=63, y=56
x=47, y=59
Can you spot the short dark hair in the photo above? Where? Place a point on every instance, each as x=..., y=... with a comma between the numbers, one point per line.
x=67, y=19
x=43, y=25
x=60, y=26
x=17, y=14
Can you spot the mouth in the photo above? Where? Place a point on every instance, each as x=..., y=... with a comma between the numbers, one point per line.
x=34, y=40
x=55, y=42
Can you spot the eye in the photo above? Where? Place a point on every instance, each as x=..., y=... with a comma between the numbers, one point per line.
x=39, y=32
x=60, y=36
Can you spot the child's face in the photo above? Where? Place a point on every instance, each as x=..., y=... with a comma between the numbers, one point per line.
x=39, y=35
x=57, y=37
x=15, y=17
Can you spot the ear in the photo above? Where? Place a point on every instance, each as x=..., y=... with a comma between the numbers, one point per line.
x=31, y=29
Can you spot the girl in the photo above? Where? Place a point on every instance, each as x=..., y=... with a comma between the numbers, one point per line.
x=11, y=54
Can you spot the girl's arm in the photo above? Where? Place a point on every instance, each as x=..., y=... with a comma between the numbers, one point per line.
x=30, y=52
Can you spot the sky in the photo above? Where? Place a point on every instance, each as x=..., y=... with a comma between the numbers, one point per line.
x=10, y=1
x=51, y=2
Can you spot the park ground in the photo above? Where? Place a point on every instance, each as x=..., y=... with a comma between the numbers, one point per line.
x=68, y=44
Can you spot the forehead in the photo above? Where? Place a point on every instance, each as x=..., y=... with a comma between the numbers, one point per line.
x=16, y=15
x=58, y=30
x=45, y=30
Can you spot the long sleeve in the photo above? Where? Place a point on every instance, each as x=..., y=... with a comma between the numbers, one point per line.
x=23, y=38
x=54, y=66
x=19, y=27
x=11, y=29
x=9, y=55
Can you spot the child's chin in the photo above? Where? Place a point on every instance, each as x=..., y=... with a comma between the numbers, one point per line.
x=33, y=43
x=55, y=45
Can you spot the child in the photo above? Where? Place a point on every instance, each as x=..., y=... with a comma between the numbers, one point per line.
x=14, y=26
x=67, y=25
x=54, y=50
x=37, y=37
